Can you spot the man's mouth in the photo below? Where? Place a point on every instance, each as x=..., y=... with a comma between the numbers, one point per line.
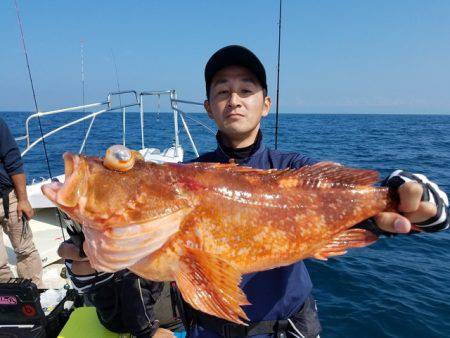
x=234, y=115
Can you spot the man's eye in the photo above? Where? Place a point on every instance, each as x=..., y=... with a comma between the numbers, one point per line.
x=246, y=91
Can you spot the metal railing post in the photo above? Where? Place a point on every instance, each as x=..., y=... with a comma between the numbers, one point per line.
x=141, y=99
x=173, y=96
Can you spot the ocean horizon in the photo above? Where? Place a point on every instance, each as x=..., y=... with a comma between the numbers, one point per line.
x=397, y=287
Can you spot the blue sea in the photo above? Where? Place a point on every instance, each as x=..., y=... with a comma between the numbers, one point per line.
x=398, y=287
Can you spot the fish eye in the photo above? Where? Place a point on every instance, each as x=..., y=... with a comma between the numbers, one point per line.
x=120, y=152
x=119, y=157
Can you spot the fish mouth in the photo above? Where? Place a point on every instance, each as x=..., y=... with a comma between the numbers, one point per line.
x=67, y=194
x=50, y=190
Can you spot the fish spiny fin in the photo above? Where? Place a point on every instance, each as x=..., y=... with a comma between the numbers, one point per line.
x=232, y=166
x=353, y=238
x=328, y=173
x=211, y=285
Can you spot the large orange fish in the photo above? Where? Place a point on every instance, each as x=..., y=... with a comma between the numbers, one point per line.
x=204, y=225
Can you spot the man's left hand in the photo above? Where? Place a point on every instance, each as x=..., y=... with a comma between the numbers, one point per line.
x=413, y=209
x=24, y=208
x=421, y=203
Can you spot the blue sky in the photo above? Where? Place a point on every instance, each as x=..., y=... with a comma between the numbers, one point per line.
x=337, y=56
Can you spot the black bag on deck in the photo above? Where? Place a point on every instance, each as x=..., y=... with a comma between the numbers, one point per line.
x=21, y=313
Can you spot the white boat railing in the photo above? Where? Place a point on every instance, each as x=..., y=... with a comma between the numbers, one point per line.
x=108, y=106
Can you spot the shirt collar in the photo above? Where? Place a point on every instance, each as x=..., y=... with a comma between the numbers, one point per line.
x=241, y=155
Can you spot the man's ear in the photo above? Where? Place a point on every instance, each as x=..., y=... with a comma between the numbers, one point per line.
x=208, y=109
x=266, y=106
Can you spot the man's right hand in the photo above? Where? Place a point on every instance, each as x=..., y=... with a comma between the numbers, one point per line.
x=163, y=333
x=80, y=265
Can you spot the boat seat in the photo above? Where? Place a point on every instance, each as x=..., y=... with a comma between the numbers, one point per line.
x=83, y=322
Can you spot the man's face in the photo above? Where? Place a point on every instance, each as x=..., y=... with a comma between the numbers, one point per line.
x=236, y=102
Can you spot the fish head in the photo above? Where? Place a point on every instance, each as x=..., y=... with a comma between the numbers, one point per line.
x=72, y=195
x=100, y=192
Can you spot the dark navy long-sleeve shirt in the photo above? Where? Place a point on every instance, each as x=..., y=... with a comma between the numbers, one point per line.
x=10, y=160
x=278, y=293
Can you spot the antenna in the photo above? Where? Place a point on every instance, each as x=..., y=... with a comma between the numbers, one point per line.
x=117, y=74
x=82, y=85
x=278, y=77
x=82, y=72
x=120, y=99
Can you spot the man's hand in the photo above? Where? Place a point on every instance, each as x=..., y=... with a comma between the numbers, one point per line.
x=23, y=205
x=24, y=208
x=414, y=210
x=163, y=333
x=80, y=265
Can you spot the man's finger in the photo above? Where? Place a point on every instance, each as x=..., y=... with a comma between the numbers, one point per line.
x=393, y=222
x=19, y=214
x=410, y=194
x=425, y=211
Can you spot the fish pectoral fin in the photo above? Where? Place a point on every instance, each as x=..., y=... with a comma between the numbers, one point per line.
x=211, y=285
x=352, y=238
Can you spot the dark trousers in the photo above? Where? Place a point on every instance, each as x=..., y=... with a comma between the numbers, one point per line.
x=125, y=304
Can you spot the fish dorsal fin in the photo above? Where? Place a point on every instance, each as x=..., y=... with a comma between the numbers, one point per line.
x=352, y=238
x=231, y=166
x=211, y=285
x=328, y=173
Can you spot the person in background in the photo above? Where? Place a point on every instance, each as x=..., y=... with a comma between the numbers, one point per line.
x=281, y=300
x=15, y=212
x=124, y=302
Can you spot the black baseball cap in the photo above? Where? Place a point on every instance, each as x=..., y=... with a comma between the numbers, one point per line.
x=234, y=55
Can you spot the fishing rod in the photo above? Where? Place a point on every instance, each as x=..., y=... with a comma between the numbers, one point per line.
x=278, y=76
x=32, y=86
x=35, y=103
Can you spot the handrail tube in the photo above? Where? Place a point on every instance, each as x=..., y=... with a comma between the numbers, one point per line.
x=186, y=129
x=123, y=126
x=157, y=92
x=87, y=135
x=20, y=138
x=175, y=122
x=188, y=102
x=61, y=128
x=52, y=112
x=141, y=113
x=30, y=146
x=122, y=92
x=44, y=113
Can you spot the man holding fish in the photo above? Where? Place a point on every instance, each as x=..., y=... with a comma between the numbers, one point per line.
x=209, y=224
x=237, y=99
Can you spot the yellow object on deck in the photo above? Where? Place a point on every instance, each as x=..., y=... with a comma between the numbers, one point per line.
x=83, y=322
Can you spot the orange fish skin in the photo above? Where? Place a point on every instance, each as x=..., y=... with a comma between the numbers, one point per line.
x=112, y=199
x=206, y=224
x=244, y=218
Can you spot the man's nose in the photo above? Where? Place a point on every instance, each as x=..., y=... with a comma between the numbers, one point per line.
x=234, y=100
